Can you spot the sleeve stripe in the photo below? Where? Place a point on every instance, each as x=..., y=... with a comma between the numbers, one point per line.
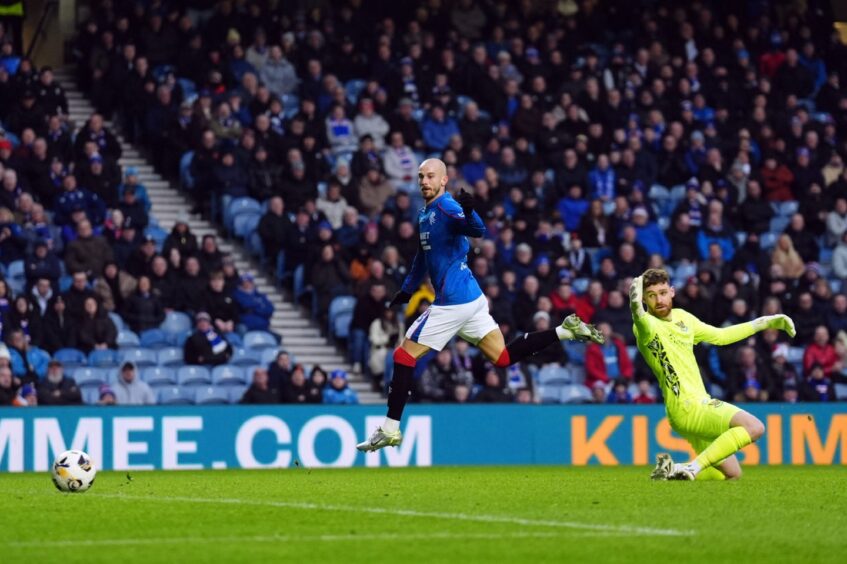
x=450, y=214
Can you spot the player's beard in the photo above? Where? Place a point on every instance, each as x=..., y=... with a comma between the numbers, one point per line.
x=662, y=313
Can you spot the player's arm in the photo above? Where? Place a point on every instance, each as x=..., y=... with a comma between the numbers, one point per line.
x=739, y=332
x=468, y=222
x=641, y=319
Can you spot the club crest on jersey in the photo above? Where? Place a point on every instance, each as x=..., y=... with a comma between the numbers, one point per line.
x=432, y=217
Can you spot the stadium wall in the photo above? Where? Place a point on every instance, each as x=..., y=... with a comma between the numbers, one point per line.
x=287, y=436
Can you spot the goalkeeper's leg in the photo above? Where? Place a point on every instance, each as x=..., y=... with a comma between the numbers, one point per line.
x=744, y=429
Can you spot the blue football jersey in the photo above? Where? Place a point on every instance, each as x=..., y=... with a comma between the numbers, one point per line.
x=443, y=251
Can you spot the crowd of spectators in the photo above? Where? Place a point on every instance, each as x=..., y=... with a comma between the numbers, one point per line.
x=598, y=137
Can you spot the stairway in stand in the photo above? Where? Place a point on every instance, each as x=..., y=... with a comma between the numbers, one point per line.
x=300, y=335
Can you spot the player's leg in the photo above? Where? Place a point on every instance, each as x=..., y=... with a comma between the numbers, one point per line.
x=739, y=429
x=730, y=469
x=495, y=349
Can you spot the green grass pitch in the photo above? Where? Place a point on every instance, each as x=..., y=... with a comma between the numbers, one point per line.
x=504, y=514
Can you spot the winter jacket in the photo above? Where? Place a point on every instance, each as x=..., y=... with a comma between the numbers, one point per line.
x=95, y=330
x=279, y=76
x=595, y=363
x=198, y=350
x=254, y=395
x=437, y=134
x=375, y=126
x=372, y=197
x=65, y=392
x=344, y=396
x=29, y=365
x=815, y=354
x=653, y=240
x=143, y=311
x=135, y=393
x=88, y=255
x=255, y=309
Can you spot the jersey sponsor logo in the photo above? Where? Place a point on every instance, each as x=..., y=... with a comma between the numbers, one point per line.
x=682, y=326
x=671, y=378
x=425, y=240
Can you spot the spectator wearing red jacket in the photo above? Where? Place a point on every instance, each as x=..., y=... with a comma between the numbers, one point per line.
x=777, y=179
x=608, y=362
x=820, y=351
x=565, y=301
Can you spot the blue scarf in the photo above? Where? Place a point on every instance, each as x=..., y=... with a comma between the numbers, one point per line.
x=216, y=341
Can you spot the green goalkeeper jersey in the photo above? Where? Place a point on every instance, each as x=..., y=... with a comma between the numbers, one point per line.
x=668, y=347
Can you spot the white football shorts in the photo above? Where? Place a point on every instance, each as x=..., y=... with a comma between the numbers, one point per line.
x=438, y=324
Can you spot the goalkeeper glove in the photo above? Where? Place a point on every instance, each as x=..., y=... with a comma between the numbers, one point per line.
x=466, y=200
x=636, y=297
x=400, y=297
x=779, y=321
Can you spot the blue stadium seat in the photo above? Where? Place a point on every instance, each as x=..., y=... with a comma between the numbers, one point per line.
x=768, y=240
x=174, y=395
x=245, y=357
x=105, y=358
x=577, y=372
x=65, y=282
x=341, y=325
x=206, y=395
x=228, y=375
x=257, y=340
x=88, y=377
x=339, y=305
x=795, y=354
x=550, y=394
x=170, y=356
x=16, y=276
x=554, y=374
x=238, y=206
x=269, y=355
x=157, y=376
x=353, y=88
x=255, y=246
x=580, y=285
x=236, y=393
x=127, y=338
x=139, y=356
x=117, y=320
x=841, y=391
x=71, y=357
x=778, y=224
x=186, y=180
x=245, y=224
x=90, y=396
x=153, y=339
x=178, y=339
x=576, y=393
x=176, y=322
x=193, y=375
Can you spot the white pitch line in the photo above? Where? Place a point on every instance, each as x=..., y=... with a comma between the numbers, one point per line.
x=512, y=520
x=286, y=539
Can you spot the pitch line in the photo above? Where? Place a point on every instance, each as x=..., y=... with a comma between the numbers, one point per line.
x=482, y=518
x=381, y=537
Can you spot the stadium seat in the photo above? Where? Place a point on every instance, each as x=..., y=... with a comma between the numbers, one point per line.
x=71, y=357
x=88, y=377
x=169, y=356
x=245, y=357
x=577, y=372
x=353, y=88
x=173, y=395
x=90, y=396
x=228, y=375
x=206, y=395
x=778, y=224
x=139, y=356
x=239, y=206
x=127, y=338
x=235, y=393
x=104, y=358
x=795, y=354
x=341, y=325
x=580, y=285
x=767, y=241
x=245, y=224
x=16, y=276
x=153, y=339
x=576, y=393
x=841, y=391
x=186, y=179
x=339, y=305
x=178, y=339
x=269, y=355
x=550, y=394
x=157, y=376
x=176, y=322
x=553, y=374
x=65, y=282
x=255, y=246
x=193, y=375
x=117, y=320
x=257, y=340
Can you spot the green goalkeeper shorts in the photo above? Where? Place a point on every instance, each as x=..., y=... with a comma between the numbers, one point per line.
x=701, y=421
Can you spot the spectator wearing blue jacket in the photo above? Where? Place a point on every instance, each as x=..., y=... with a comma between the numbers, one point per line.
x=338, y=391
x=437, y=129
x=78, y=198
x=649, y=234
x=27, y=363
x=602, y=180
x=714, y=231
x=255, y=309
x=474, y=169
x=572, y=207
x=131, y=179
x=695, y=157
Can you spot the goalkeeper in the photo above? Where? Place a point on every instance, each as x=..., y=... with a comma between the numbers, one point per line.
x=666, y=338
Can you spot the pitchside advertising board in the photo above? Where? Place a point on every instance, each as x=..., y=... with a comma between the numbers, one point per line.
x=275, y=437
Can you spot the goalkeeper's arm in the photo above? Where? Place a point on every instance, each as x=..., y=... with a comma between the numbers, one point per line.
x=636, y=305
x=739, y=332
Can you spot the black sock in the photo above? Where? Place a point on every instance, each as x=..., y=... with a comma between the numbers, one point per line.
x=398, y=390
x=530, y=343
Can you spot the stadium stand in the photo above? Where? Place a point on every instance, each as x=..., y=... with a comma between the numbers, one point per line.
x=706, y=140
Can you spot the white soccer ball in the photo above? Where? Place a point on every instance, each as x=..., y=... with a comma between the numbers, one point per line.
x=73, y=471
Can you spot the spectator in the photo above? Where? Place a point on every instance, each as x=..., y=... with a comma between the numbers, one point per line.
x=96, y=331
x=818, y=386
x=254, y=308
x=300, y=390
x=607, y=362
x=143, y=310
x=260, y=390
x=279, y=371
x=787, y=257
x=493, y=390
x=384, y=335
x=59, y=329
x=9, y=387
x=836, y=314
x=401, y=163
x=58, y=389
x=777, y=180
x=191, y=286
x=205, y=345
x=836, y=222
x=750, y=379
x=437, y=129
x=368, y=308
x=755, y=213
x=620, y=392
x=28, y=363
x=649, y=234
x=645, y=393
x=113, y=287
x=554, y=353
x=373, y=192
x=369, y=122
x=339, y=392
x=340, y=132
x=130, y=389
x=24, y=317
x=839, y=259
x=277, y=73
x=820, y=352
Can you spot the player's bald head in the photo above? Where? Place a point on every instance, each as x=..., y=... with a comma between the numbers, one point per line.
x=433, y=165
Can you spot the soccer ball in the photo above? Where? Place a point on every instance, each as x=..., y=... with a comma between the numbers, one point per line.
x=73, y=471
